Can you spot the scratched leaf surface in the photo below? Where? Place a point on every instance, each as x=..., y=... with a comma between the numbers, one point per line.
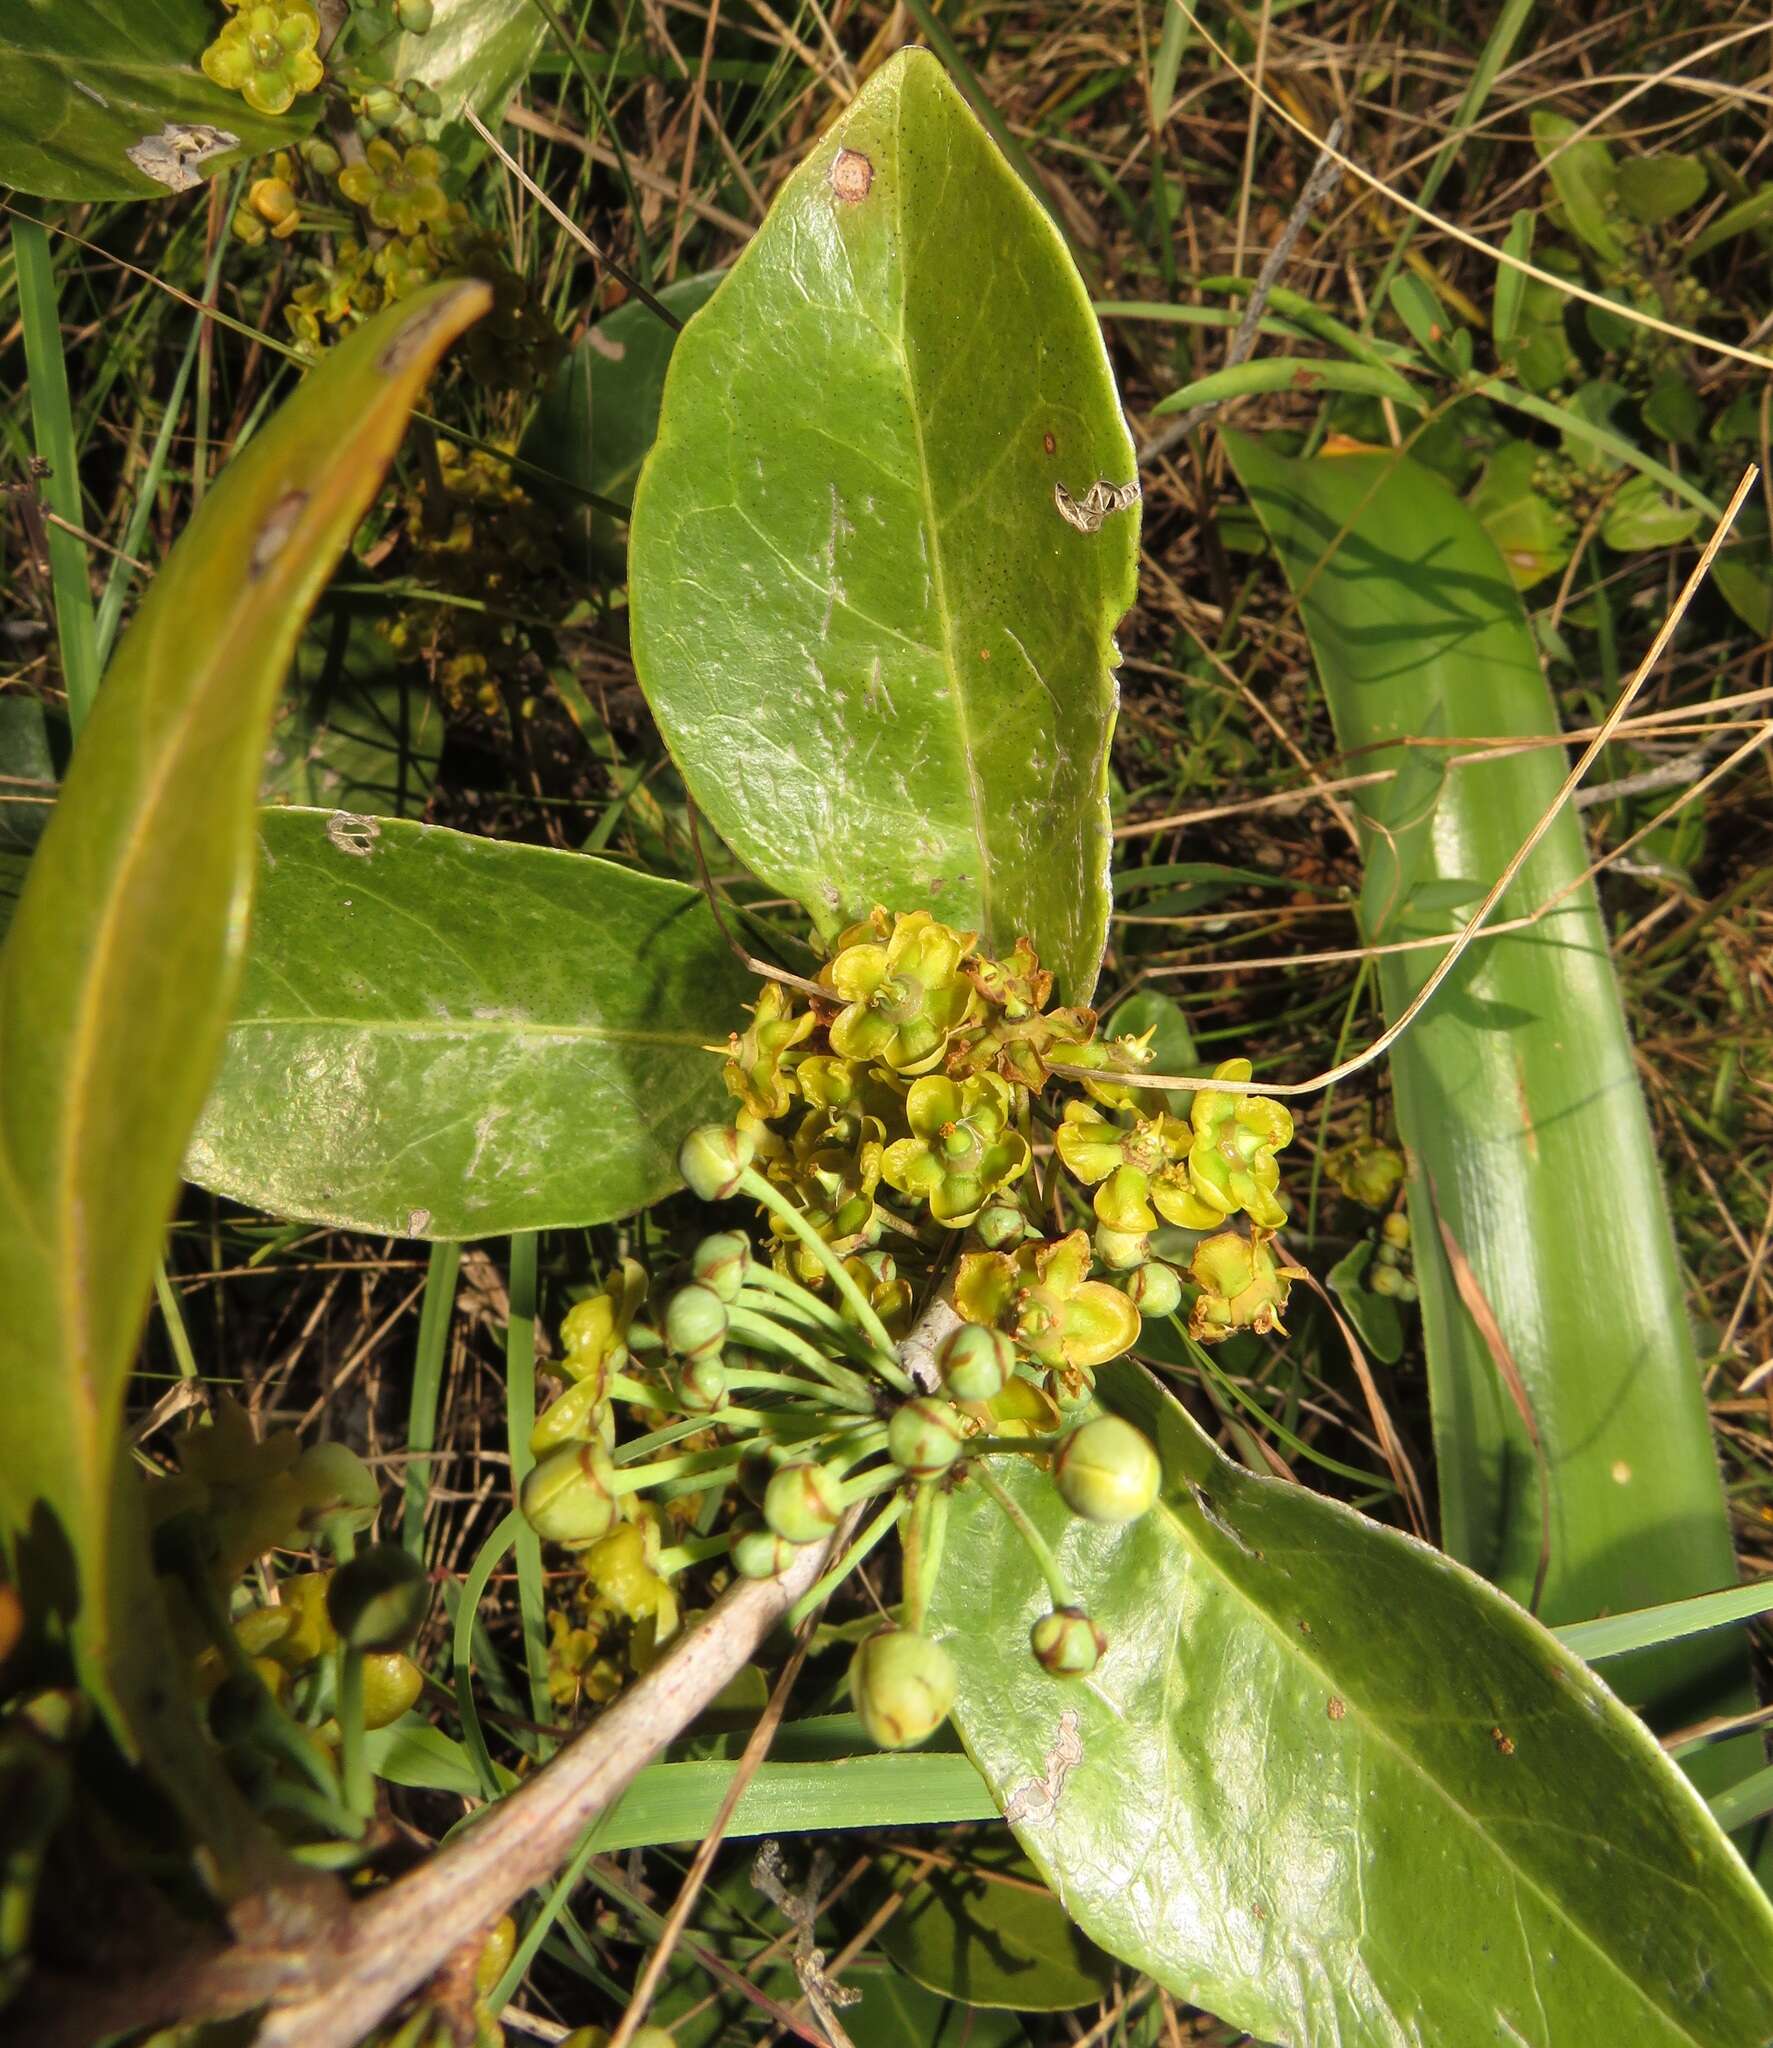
x=1336, y=1789
x=443, y=1036
x=877, y=649
x=115, y=984
x=87, y=81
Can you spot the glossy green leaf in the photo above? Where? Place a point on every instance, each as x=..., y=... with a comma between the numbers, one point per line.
x=1377, y=1321
x=595, y=422
x=1755, y=212
x=1516, y=1096
x=983, y=1930
x=1333, y=1787
x=1585, y=180
x=115, y=983
x=1292, y=373
x=476, y=53
x=104, y=100
x=1532, y=535
x=1640, y=517
x=1656, y=188
x=449, y=1037
x=874, y=568
x=1511, y=284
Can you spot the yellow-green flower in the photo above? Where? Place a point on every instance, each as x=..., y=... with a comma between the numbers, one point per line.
x=904, y=998
x=1242, y=1286
x=1366, y=1171
x=962, y=1149
x=401, y=190
x=832, y=1169
x=1139, y=1171
x=266, y=54
x=761, y=1060
x=1231, y=1163
x=1044, y=1296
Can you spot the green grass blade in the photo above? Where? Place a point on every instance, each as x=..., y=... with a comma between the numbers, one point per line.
x=1616, y=1634
x=1516, y=1093
x=520, y=1414
x=52, y=423
x=427, y=1384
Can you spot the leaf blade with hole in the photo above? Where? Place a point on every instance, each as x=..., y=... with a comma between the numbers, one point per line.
x=115, y=981
x=877, y=648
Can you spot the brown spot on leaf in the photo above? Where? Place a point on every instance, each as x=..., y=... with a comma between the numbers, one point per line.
x=1504, y=1743
x=1049, y=444
x=1336, y=1709
x=851, y=175
x=1306, y=380
x=279, y=523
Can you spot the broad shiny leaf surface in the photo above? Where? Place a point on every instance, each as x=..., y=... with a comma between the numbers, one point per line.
x=1516, y=1093
x=118, y=973
x=89, y=81
x=878, y=649
x=1333, y=1787
x=443, y=1036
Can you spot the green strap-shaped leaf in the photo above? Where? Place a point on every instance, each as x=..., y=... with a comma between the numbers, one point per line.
x=1516, y=1091
x=115, y=984
x=1335, y=1788
x=103, y=99
x=442, y=1036
x=876, y=558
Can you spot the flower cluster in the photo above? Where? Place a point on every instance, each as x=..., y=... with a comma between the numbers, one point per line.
x=900, y=1100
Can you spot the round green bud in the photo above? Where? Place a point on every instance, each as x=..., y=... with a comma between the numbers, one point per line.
x=761, y=1554
x=901, y=1685
x=1395, y=1230
x=377, y=1601
x=695, y=1322
x=406, y=127
x=1155, y=1289
x=421, y=99
x=701, y=1386
x=721, y=1263
x=1000, y=1226
x=1121, y=1250
x=803, y=1501
x=975, y=1362
x=320, y=157
x=925, y=1436
x=568, y=1497
x=1069, y=1385
x=1106, y=1471
x=392, y=1683
x=382, y=107
x=415, y=16
x=1067, y=1643
x=713, y=1159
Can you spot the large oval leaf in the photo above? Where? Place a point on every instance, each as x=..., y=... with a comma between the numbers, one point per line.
x=874, y=635
x=104, y=100
x=476, y=53
x=441, y=1036
x=115, y=984
x=1335, y=1788
x=1517, y=1091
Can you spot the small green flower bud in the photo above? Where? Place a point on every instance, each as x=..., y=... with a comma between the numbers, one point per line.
x=320, y=156
x=1121, y=1250
x=1106, y=1471
x=925, y=1437
x=1000, y=1227
x=695, y=1322
x=701, y=1385
x=721, y=1263
x=713, y=1158
x=377, y=1601
x=1396, y=1230
x=762, y=1554
x=1387, y=1280
x=421, y=99
x=392, y=1682
x=415, y=16
x=975, y=1362
x=382, y=107
x=407, y=127
x=248, y=228
x=567, y=1498
x=1067, y=1643
x=801, y=1502
x=1155, y=1289
x=902, y=1685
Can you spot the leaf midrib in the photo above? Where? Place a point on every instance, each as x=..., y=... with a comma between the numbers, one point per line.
x=1338, y=1686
